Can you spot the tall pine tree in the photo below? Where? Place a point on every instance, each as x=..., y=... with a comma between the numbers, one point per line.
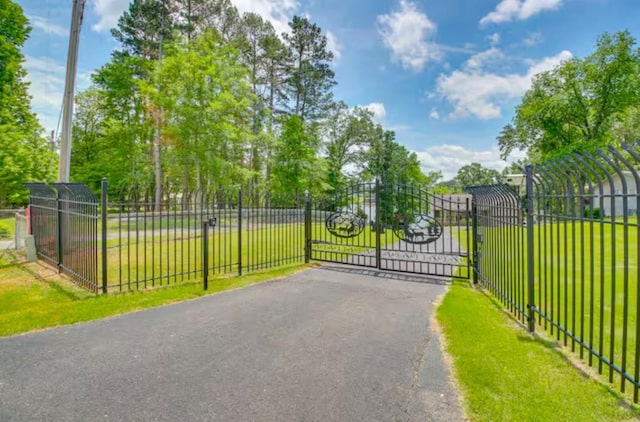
x=310, y=80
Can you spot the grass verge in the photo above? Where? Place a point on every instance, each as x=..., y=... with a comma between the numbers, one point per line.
x=506, y=374
x=34, y=296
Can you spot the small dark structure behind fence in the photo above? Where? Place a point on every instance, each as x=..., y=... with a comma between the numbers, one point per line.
x=562, y=254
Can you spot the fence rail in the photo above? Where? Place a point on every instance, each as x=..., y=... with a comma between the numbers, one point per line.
x=562, y=253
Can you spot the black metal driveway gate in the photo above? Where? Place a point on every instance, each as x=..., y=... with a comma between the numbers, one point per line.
x=392, y=227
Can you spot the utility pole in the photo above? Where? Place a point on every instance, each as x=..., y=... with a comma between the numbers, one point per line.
x=69, y=90
x=52, y=143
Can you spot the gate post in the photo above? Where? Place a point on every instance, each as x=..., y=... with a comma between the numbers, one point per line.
x=474, y=228
x=530, y=263
x=307, y=228
x=377, y=225
x=205, y=254
x=59, y=229
x=104, y=234
x=240, y=232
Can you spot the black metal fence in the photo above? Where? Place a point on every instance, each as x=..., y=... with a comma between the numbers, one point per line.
x=134, y=243
x=394, y=227
x=562, y=251
x=64, y=222
x=131, y=241
x=196, y=234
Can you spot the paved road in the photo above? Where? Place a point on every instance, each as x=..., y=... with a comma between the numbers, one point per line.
x=328, y=344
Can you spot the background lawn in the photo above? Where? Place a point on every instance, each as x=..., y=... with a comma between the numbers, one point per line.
x=7, y=228
x=165, y=257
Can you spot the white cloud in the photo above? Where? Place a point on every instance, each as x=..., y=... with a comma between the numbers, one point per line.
x=475, y=91
x=494, y=39
x=399, y=128
x=485, y=59
x=533, y=39
x=449, y=158
x=108, y=12
x=278, y=12
x=408, y=34
x=50, y=28
x=510, y=10
x=334, y=45
x=379, y=112
x=46, y=87
x=434, y=114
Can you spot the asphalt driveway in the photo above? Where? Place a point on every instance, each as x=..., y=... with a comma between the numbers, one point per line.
x=328, y=344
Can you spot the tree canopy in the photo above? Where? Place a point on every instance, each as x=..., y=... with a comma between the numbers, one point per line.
x=24, y=154
x=198, y=96
x=581, y=104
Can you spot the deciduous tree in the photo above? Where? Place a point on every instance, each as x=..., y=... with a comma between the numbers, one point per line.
x=24, y=154
x=576, y=105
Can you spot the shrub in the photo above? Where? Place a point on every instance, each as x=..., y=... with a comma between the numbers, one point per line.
x=4, y=230
x=594, y=213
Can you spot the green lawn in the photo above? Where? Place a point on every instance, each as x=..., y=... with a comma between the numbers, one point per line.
x=34, y=296
x=165, y=221
x=148, y=261
x=583, y=280
x=507, y=375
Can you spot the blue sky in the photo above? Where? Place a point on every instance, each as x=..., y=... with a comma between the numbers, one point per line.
x=445, y=75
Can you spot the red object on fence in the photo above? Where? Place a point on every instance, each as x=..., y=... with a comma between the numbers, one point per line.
x=28, y=215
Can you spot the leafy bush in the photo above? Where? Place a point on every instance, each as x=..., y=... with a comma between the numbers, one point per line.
x=4, y=230
x=594, y=213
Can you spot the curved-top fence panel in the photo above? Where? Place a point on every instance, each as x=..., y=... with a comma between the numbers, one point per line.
x=64, y=223
x=43, y=207
x=562, y=253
